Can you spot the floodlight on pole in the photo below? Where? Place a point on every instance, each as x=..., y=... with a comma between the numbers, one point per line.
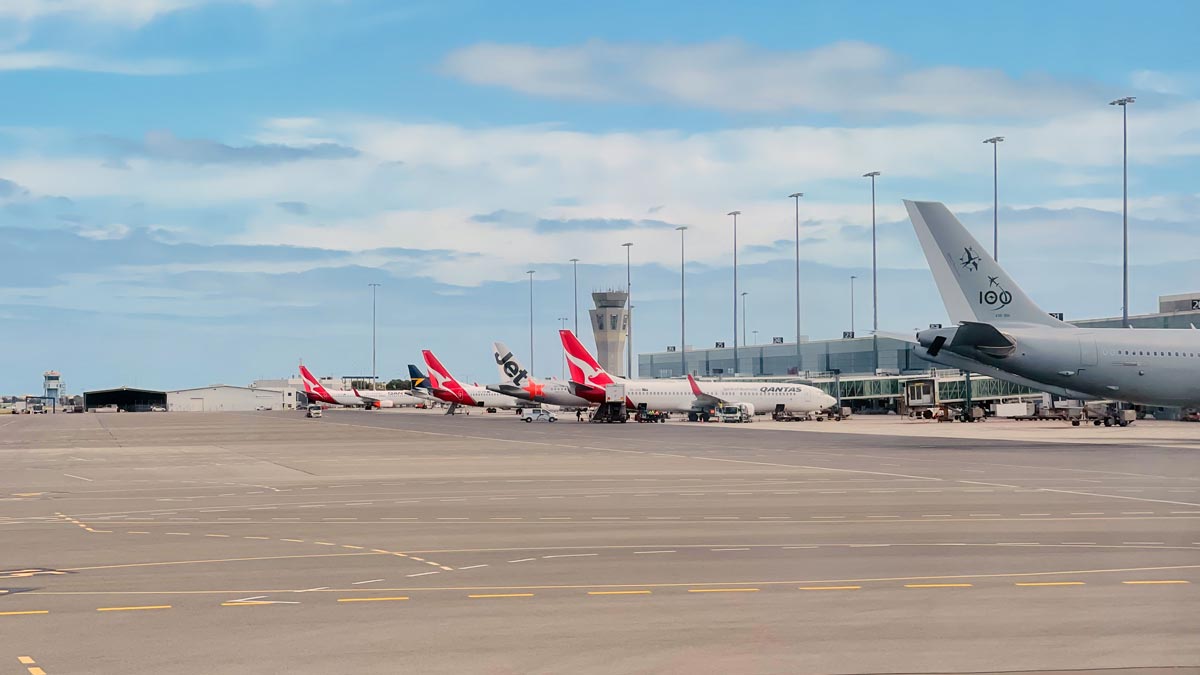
x=852, y=278
x=629, y=317
x=874, y=258
x=735, y=214
x=995, y=141
x=1124, y=103
x=531, y=363
x=796, y=196
x=575, y=290
x=373, y=287
x=682, y=229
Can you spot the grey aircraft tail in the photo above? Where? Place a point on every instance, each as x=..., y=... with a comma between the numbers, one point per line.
x=973, y=286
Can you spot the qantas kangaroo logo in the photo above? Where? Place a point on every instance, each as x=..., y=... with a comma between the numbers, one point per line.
x=590, y=375
x=511, y=368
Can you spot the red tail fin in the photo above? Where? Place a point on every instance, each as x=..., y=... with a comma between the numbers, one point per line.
x=583, y=366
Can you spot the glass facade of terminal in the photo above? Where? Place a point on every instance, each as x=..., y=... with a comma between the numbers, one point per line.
x=864, y=355
x=858, y=355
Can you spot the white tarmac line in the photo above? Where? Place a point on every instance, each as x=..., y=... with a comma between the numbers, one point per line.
x=71, y=475
x=368, y=581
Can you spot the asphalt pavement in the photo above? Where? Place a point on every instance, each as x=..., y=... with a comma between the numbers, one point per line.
x=390, y=541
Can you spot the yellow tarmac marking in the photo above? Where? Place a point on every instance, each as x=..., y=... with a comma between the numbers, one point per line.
x=34, y=670
x=1050, y=583
x=322, y=543
x=301, y=541
x=353, y=547
x=30, y=611
x=401, y=597
x=598, y=586
x=212, y=560
x=131, y=609
x=619, y=592
x=216, y=535
x=829, y=588
x=1158, y=581
x=502, y=595
x=722, y=590
x=26, y=660
x=938, y=585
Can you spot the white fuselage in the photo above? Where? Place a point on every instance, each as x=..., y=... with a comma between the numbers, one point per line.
x=485, y=398
x=677, y=396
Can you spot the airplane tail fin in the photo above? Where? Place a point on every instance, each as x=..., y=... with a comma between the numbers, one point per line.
x=419, y=381
x=510, y=368
x=439, y=377
x=973, y=286
x=311, y=384
x=583, y=366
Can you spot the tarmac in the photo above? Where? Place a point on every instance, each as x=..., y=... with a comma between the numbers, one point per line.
x=408, y=541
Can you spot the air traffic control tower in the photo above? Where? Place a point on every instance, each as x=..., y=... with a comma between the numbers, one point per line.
x=610, y=323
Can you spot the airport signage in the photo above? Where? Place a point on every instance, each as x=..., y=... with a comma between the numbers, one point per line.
x=670, y=348
x=776, y=340
x=720, y=345
x=1195, y=303
x=935, y=325
x=1057, y=315
x=847, y=334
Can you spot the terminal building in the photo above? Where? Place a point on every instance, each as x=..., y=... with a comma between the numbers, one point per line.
x=879, y=373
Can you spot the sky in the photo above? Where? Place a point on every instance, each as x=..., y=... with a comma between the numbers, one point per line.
x=200, y=191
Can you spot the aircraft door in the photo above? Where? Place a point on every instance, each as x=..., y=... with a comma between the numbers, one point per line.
x=1088, y=355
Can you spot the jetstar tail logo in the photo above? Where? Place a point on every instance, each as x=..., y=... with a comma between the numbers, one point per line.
x=511, y=368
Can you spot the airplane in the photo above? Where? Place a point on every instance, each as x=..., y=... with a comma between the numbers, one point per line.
x=516, y=381
x=352, y=397
x=688, y=396
x=445, y=387
x=420, y=384
x=1003, y=334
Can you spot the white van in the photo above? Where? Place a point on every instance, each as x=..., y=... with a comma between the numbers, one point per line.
x=314, y=410
x=531, y=414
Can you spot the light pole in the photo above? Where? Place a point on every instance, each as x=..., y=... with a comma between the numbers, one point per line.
x=1124, y=103
x=755, y=336
x=575, y=290
x=531, y=365
x=562, y=363
x=629, y=317
x=995, y=141
x=852, y=278
x=682, y=304
x=373, y=287
x=744, y=294
x=796, y=196
x=874, y=269
x=735, y=214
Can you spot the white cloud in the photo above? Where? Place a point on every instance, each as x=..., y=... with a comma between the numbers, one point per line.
x=422, y=185
x=57, y=60
x=847, y=77
x=131, y=13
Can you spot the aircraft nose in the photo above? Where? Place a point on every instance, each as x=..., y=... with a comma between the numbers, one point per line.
x=828, y=401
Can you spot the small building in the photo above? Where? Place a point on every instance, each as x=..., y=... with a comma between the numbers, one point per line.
x=127, y=399
x=224, y=397
x=52, y=385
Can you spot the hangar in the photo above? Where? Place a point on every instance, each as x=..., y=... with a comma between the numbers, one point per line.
x=127, y=399
x=220, y=397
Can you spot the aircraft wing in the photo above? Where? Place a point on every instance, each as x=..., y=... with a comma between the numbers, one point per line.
x=702, y=399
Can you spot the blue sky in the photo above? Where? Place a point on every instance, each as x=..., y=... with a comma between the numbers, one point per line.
x=194, y=191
